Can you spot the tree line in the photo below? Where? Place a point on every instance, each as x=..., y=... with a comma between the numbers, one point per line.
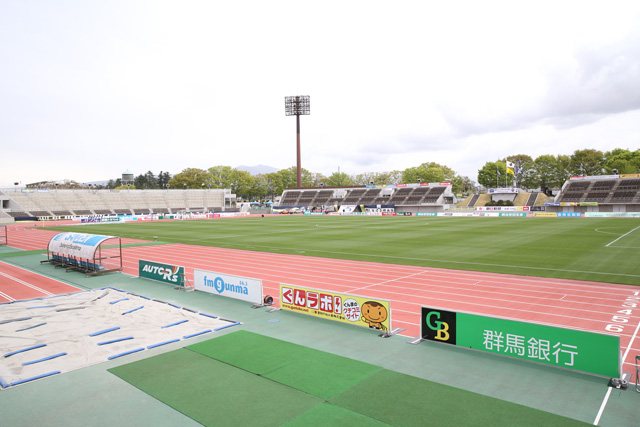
x=545, y=172
x=266, y=186
x=549, y=171
x=147, y=181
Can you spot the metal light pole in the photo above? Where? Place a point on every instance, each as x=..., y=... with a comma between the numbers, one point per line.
x=297, y=106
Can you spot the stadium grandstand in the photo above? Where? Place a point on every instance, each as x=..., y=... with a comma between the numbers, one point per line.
x=608, y=193
x=63, y=203
x=414, y=198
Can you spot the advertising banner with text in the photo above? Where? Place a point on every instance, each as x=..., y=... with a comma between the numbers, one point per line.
x=226, y=285
x=167, y=273
x=584, y=351
x=354, y=310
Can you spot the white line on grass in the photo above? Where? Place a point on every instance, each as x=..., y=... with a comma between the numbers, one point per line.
x=624, y=357
x=624, y=235
x=597, y=230
x=374, y=256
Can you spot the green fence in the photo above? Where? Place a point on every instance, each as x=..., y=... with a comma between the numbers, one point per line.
x=590, y=352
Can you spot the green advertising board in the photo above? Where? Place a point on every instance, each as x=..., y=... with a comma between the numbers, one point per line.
x=584, y=351
x=166, y=273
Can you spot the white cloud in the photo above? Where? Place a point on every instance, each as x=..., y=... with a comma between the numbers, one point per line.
x=89, y=89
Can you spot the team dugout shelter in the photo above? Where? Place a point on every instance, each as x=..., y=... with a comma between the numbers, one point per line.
x=91, y=254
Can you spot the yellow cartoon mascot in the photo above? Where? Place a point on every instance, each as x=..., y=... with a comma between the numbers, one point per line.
x=374, y=314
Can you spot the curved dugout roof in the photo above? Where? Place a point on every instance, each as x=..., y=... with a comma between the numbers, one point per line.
x=77, y=244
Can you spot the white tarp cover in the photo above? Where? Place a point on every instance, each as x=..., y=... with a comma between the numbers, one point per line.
x=65, y=324
x=76, y=244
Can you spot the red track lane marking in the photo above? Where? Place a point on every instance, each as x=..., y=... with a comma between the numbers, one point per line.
x=251, y=263
x=32, y=238
x=6, y=298
x=369, y=268
x=133, y=272
x=20, y=283
x=559, y=302
x=17, y=291
x=389, y=295
x=539, y=293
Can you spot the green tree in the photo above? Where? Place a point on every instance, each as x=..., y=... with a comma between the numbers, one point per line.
x=140, y=182
x=146, y=181
x=163, y=179
x=622, y=161
x=524, y=171
x=189, y=178
x=550, y=171
x=242, y=183
x=377, y=178
x=492, y=174
x=125, y=187
x=463, y=185
x=220, y=177
x=339, y=179
x=262, y=187
x=587, y=162
x=286, y=178
x=428, y=172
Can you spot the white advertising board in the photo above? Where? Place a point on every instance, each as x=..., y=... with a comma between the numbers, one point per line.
x=242, y=288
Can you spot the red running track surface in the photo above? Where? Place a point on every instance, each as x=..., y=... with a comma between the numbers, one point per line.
x=592, y=306
x=30, y=236
x=16, y=283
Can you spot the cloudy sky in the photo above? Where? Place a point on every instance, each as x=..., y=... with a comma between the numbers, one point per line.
x=89, y=89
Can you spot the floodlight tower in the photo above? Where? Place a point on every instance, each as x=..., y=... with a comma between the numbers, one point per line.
x=297, y=106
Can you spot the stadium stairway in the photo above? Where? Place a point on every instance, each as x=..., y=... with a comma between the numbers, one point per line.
x=474, y=199
x=521, y=199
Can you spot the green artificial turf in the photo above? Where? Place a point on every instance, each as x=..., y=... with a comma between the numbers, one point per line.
x=213, y=383
x=214, y=393
x=333, y=416
x=578, y=248
x=403, y=400
x=8, y=252
x=315, y=372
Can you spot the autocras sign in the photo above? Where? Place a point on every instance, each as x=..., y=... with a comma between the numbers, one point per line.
x=166, y=273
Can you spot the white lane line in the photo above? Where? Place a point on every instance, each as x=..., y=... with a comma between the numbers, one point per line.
x=606, y=397
x=604, y=403
x=624, y=235
x=434, y=274
x=22, y=282
x=9, y=297
x=523, y=267
x=388, y=281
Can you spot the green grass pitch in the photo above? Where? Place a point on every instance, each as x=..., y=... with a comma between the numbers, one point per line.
x=598, y=249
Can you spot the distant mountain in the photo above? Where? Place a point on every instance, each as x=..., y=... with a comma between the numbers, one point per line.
x=257, y=169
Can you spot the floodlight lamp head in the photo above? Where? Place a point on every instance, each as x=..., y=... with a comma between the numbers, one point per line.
x=297, y=105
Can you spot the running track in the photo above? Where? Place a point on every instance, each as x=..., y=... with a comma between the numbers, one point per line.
x=16, y=283
x=591, y=306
